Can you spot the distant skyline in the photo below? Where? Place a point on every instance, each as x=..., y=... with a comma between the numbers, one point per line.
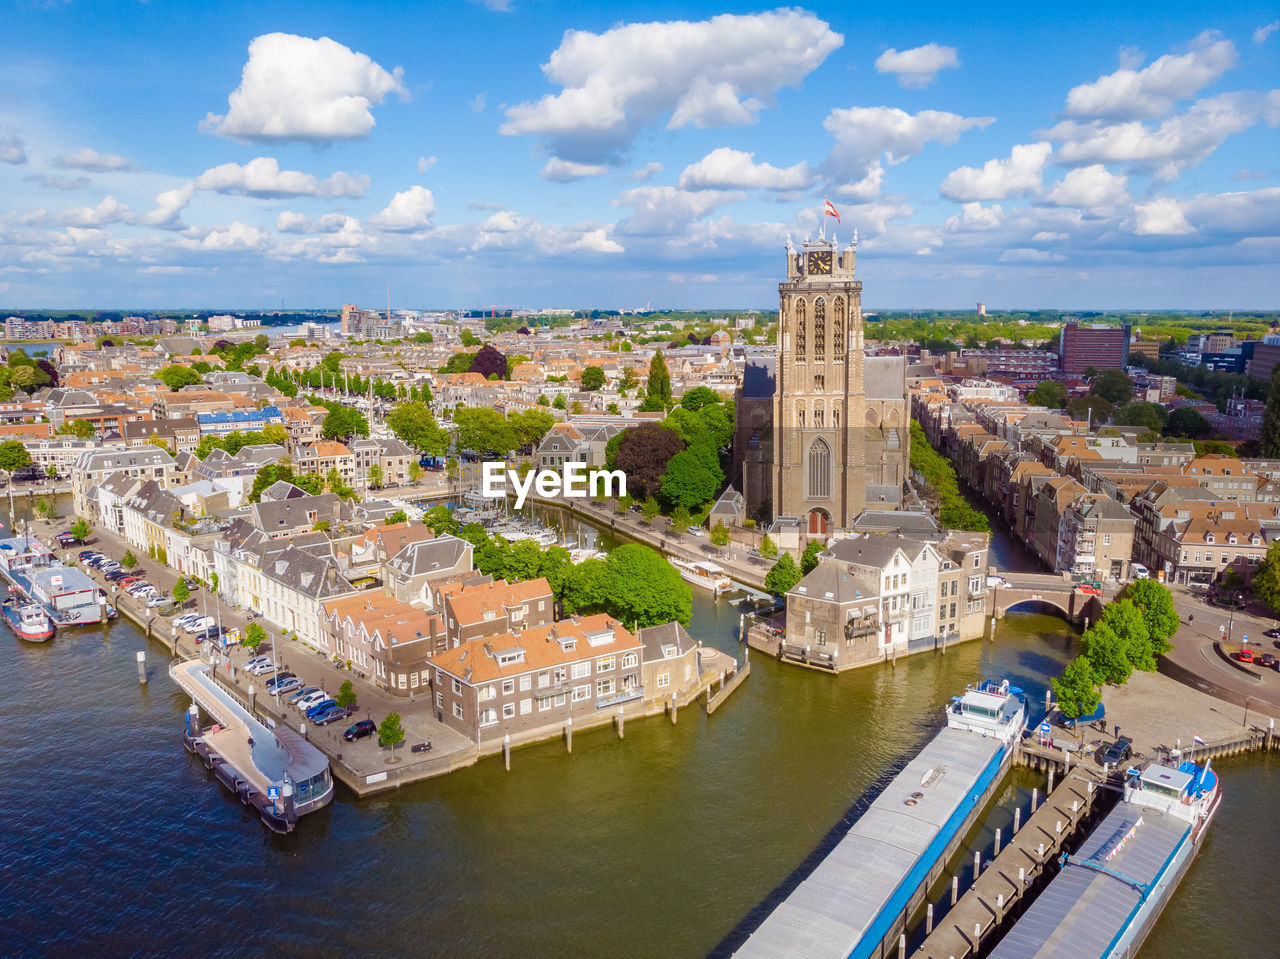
x=532, y=153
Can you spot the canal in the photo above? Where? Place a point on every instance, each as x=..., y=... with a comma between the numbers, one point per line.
x=116, y=842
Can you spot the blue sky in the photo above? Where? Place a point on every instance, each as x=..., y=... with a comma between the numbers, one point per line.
x=538, y=153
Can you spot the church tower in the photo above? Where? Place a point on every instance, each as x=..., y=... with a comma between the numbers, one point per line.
x=841, y=429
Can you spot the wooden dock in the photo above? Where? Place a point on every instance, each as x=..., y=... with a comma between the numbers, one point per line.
x=1022, y=866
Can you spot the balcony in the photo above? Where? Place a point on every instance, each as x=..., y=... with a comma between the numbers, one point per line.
x=617, y=699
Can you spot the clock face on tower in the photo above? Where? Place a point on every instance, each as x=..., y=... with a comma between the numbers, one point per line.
x=818, y=263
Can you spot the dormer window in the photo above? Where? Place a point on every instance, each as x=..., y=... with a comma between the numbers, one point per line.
x=1208, y=537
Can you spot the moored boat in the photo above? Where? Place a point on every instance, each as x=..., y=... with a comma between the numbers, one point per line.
x=703, y=573
x=1109, y=894
x=28, y=620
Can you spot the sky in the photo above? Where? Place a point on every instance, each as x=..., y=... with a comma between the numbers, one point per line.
x=534, y=153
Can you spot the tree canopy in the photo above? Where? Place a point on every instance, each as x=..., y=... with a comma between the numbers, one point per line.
x=1048, y=393
x=592, y=378
x=484, y=430
x=342, y=422
x=1141, y=413
x=416, y=425
x=643, y=454
x=1114, y=386
x=489, y=362
x=783, y=576
x=176, y=376
x=13, y=456
x=1187, y=423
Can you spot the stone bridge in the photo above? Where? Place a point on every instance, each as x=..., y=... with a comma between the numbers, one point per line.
x=1025, y=591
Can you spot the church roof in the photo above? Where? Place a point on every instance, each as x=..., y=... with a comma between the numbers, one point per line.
x=884, y=377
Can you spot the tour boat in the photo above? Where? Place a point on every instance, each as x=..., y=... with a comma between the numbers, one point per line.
x=705, y=574
x=28, y=620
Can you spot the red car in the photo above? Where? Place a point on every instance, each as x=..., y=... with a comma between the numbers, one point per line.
x=1089, y=589
x=1245, y=655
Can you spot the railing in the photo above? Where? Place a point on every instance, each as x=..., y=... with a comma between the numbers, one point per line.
x=617, y=699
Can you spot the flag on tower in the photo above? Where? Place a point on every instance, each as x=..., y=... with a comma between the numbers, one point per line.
x=831, y=210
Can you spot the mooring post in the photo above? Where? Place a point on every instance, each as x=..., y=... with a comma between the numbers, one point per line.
x=253, y=698
x=1035, y=794
x=955, y=889
x=1022, y=876
x=977, y=864
x=993, y=628
x=1050, y=789
x=1271, y=731
x=568, y=733
x=673, y=709
x=1000, y=907
x=1040, y=854
x=902, y=946
x=928, y=920
x=1017, y=820
x=621, y=731
x=142, y=666
x=506, y=751
x=997, y=849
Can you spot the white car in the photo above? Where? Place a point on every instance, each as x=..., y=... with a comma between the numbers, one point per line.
x=200, y=624
x=250, y=663
x=311, y=699
x=264, y=667
x=185, y=618
x=155, y=602
x=697, y=531
x=1139, y=571
x=997, y=581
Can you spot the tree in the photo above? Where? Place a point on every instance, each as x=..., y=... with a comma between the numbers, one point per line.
x=1048, y=393
x=650, y=509
x=80, y=529
x=658, y=388
x=51, y=471
x=783, y=577
x=1269, y=438
x=129, y=561
x=1114, y=386
x=643, y=454
x=416, y=425
x=1090, y=407
x=1076, y=690
x=698, y=397
x=531, y=426
x=415, y=471
x=1126, y=620
x=690, y=480
x=1108, y=655
x=592, y=378
x=809, y=558
x=399, y=516
x=484, y=430
x=489, y=363
x=81, y=428
x=680, y=519
x=768, y=549
x=13, y=456
x=640, y=588
x=181, y=593
x=1155, y=602
x=1187, y=423
x=440, y=520
x=1141, y=414
x=343, y=423
x=628, y=380
x=254, y=635
x=346, y=694
x=1266, y=581
x=720, y=534
x=322, y=525
x=176, y=376
x=47, y=509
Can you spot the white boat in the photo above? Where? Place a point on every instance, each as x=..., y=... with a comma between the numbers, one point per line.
x=705, y=574
x=581, y=554
x=1131, y=862
x=990, y=708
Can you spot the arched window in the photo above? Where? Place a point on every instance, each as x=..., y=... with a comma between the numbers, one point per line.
x=837, y=339
x=819, y=469
x=820, y=329
x=801, y=345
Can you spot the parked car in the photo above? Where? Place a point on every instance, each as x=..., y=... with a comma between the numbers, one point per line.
x=254, y=661
x=1089, y=589
x=87, y=554
x=115, y=575
x=199, y=625
x=997, y=581
x=213, y=632
x=277, y=679
x=264, y=667
x=1272, y=633
x=1117, y=752
x=313, y=698
x=1245, y=655
x=300, y=694
x=360, y=730
x=696, y=531
x=318, y=708
x=1267, y=661
x=1138, y=571
x=156, y=601
x=286, y=686
x=330, y=715
x=67, y=538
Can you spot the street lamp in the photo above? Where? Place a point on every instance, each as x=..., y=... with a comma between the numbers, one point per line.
x=1236, y=600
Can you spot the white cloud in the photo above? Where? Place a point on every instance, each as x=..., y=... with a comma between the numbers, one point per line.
x=727, y=169
x=297, y=88
x=1020, y=174
x=497, y=6
x=1255, y=213
x=597, y=241
x=710, y=73
x=12, y=149
x=1161, y=217
x=1090, y=187
x=566, y=171
x=54, y=182
x=477, y=103
x=868, y=188
x=916, y=68
x=647, y=171
x=483, y=205
x=110, y=210
x=86, y=158
x=169, y=205
x=235, y=236
x=974, y=217
x=408, y=211
x=862, y=134
x=1029, y=255
x=290, y=222
x=1130, y=94
x=1260, y=35
x=262, y=177
x=667, y=211
x=426, y=163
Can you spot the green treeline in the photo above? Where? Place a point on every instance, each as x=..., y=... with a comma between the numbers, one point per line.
x=953, y=511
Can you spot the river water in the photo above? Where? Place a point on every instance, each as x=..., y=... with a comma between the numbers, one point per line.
x=115, y=842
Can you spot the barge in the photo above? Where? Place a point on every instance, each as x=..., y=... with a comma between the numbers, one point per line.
x=67, y=595
x=28, y=620
x=1108, y=896
x=859, y=898
x=273, y=770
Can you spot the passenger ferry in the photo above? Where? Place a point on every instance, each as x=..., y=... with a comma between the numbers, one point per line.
x=858, y=899
x=28, y=620
x=705, y=574
x=1109, y=894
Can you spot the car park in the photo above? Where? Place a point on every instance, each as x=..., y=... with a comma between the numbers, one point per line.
x=87, y=554
x=1117, y=752
x=360, y=730
x=264, y=667
x=330, y=715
